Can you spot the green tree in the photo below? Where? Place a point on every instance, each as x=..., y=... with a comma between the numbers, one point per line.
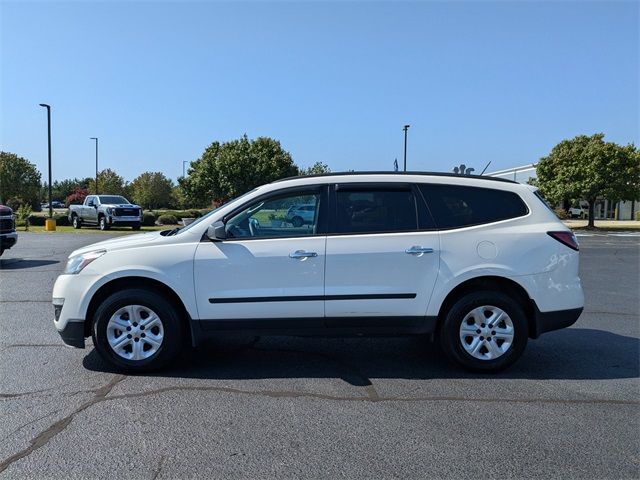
x=152, y=190
x=61, y=189
x=232, y=168
x=20, y=180
x=587, y=167
x=317, y=168
x=109, y=183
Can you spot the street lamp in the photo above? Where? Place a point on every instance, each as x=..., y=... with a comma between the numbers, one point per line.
x=183, y=163
x=48, y=107
x=94, y=138
x=406, y=127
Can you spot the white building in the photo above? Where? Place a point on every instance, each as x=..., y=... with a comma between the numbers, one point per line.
x=604, y=209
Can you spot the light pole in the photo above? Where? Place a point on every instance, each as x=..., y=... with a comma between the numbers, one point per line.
x=94, y=138
x=48, y=107
x=183, y=163
x=406, y=127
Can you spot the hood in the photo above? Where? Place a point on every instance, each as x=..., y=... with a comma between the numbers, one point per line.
x=5, y=211
x=126, y=241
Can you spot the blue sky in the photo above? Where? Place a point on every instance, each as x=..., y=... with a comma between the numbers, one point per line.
x=334, y=82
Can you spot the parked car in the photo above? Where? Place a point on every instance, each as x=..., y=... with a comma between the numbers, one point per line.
x=105, y=211
x=54, y=204
x=480, y=264
x=8, y=234
x=299, y=215
x=578, y=212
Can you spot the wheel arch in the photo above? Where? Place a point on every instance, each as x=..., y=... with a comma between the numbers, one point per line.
x=136, y=282
x=496, y=283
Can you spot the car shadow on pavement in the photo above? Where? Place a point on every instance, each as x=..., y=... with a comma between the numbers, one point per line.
x=571, y=354
x=19, y=263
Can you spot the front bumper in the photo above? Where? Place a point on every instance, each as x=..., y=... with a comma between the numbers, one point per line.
x=73, y=334
x=71, y=294
x=124, y=221
x=8, y=240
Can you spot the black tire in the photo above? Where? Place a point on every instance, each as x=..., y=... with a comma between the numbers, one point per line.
x=171, y=324
x=102, y=223
x=451, y=342
x=297, y=221
x=76, y=222
x=135, y=227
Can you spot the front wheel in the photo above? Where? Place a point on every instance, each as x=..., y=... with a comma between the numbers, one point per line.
x=297, y=222
x=137, y=330
x=484, y=331
x=103, y=223
x=135, y=227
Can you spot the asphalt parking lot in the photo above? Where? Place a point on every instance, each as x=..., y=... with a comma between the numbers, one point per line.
x=333, y=408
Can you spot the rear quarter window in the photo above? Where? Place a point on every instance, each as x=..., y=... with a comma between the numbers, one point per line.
x=456, y=206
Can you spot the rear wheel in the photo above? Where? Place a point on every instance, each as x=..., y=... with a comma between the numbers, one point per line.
x=297, y=221
x=137, y=330
x=75, y=221
x=484, y=331
x=135, y=227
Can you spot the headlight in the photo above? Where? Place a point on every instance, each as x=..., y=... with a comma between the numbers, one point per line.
x=76, y=264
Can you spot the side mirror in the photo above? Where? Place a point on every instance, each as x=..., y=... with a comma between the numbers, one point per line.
x=217, y=232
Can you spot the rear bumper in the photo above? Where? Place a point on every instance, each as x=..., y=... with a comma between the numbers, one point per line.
x=549, y=321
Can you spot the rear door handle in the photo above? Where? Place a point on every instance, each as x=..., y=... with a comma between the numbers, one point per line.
x=302, y=254
x=418, y=250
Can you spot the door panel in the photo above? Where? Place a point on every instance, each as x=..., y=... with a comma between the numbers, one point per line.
x=245, y=278
x=389, y=281
x=383, y=252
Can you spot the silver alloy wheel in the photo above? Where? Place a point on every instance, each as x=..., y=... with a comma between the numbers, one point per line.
x=486, y=332
x=135, y=332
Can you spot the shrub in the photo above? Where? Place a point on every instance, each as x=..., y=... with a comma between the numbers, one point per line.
x=148, y=219
x=638, y=216
x=167, y=220
x=36, y=220
x=22, y=213
x=561, y=213
x=61, y=220
x=195, y=213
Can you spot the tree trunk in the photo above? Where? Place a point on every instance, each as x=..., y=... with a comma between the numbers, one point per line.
x=592, y=213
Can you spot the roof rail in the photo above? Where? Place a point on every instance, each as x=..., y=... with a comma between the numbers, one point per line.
x=433, y=174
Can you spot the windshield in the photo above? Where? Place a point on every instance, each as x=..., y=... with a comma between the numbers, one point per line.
x=113, y=199
x=208, y=215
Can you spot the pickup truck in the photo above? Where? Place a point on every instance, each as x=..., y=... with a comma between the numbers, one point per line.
x=106, y=211
x=8, y=235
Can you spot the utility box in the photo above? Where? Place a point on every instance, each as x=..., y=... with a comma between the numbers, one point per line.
x=50, y=225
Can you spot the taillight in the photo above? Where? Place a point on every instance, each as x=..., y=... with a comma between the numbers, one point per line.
x=566, y=238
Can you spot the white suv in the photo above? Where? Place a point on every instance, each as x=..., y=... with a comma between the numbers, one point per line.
x=481, y=264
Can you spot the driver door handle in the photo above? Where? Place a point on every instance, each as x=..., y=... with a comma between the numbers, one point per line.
x=302, y=254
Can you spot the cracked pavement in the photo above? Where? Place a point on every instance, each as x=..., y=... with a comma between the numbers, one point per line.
x=333, y=408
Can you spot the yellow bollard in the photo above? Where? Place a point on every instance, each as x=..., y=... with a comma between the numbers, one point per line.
x=50, y=225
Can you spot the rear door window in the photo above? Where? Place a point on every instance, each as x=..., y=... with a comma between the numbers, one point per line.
x=456, y=206
x=374, y=210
